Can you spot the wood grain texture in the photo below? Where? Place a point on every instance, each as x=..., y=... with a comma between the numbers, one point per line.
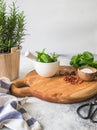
x=54, y=89
x=9, y=65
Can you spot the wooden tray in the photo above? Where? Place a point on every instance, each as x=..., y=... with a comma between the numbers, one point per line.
x=54, y=89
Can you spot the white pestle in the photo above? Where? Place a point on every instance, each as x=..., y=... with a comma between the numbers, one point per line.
x=30, y=55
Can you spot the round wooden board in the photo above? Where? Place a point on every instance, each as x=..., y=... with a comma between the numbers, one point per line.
x=54, y=89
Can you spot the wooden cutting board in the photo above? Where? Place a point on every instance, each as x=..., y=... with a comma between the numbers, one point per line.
x=54, y=89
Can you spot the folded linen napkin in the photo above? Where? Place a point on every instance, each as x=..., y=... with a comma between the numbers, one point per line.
x=12, y=113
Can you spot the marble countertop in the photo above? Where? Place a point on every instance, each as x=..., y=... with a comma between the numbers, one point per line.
x=54, y=116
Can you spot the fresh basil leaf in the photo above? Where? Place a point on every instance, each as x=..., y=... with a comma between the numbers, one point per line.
x=54, y=57
x=88, y=56
x=46, y=58
x=74, y=60
x=82, y=62
x=94, y=64
x=43, y=57
x=43, y=51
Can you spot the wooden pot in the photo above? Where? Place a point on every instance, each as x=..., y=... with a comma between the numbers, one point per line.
x=9, y=64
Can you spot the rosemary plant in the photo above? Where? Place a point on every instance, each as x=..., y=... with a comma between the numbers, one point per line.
x=12, y=27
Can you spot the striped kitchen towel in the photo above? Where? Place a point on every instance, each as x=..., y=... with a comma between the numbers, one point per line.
x=12, y=113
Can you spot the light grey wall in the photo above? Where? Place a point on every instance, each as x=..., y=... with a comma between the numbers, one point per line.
x=63, y=26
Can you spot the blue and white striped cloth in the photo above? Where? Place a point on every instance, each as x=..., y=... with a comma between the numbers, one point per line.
x=12, y=113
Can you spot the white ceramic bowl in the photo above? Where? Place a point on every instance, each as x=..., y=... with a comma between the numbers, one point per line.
x=46, y=69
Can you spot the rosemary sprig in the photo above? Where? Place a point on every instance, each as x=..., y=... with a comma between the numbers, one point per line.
x=12, y=27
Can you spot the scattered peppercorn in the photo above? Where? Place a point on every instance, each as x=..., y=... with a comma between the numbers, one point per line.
x=73, y=79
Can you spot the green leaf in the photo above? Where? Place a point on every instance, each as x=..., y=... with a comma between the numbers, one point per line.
x=75, y=60
x=88, y=56
x=94, y=64
x=54, y=56
x=12, y=26
x=44, y=57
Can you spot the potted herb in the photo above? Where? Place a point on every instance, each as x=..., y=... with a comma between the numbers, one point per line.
x=12, y=27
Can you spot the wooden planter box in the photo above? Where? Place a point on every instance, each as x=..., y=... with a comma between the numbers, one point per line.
x=9, y=65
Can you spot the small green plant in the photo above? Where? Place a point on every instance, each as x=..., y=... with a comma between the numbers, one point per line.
x=46, y=58
x=12, y=27
x=84, y=59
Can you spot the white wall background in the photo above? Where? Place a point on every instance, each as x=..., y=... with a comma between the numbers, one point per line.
x=62, y=26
